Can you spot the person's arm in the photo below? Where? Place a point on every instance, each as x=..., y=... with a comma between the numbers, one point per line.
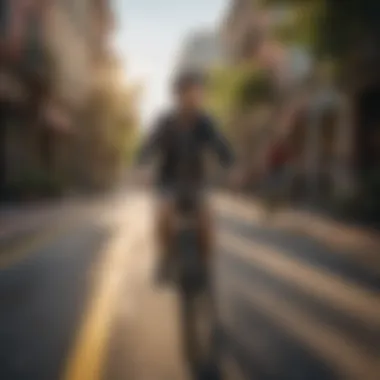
x=219, y=144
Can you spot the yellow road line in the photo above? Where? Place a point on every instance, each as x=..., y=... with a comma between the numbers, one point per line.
x=352, y=298
x=86, y=359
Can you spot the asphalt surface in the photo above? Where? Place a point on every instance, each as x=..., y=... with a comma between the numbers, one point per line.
x=77, y=300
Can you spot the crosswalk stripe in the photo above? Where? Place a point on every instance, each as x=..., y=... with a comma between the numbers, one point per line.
x=361, y=303
x=328, y=343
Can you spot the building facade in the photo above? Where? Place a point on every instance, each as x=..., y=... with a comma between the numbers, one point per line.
x=49, y=50
x=25, y=70
x=201, y=52
x=240, y=31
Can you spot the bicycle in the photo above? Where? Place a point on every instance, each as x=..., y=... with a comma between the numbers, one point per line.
x=195, y=294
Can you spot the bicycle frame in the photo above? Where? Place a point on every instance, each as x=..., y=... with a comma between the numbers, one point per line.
x=195, y=298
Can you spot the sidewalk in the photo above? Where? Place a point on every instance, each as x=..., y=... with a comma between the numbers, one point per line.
x=360, y=243
x=18, y=217
x=19, y=213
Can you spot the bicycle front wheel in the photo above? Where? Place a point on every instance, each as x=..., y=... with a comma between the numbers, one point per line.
x=198, y=326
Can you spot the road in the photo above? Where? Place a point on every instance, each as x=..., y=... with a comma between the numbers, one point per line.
x=77, y=301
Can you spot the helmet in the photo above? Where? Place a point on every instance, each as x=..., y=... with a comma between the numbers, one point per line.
x=187, y=79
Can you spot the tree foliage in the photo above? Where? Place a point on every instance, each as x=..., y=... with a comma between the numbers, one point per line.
x=111, y=125
x=334, y=28
x=257, y=88
x=234, y=89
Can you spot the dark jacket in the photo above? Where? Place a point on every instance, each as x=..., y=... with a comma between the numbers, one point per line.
x=180, y=148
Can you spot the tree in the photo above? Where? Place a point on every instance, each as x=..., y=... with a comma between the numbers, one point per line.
x=241, y=97
x=112, y=125
x=234, y=89
x=334, y=30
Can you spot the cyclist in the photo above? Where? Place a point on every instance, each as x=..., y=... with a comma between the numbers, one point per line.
x=179, y=138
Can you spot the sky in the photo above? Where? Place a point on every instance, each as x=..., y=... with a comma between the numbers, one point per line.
x=149, y=34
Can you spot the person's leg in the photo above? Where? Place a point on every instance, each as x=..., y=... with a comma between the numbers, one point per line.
x=165, y=225
x=205, y=232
